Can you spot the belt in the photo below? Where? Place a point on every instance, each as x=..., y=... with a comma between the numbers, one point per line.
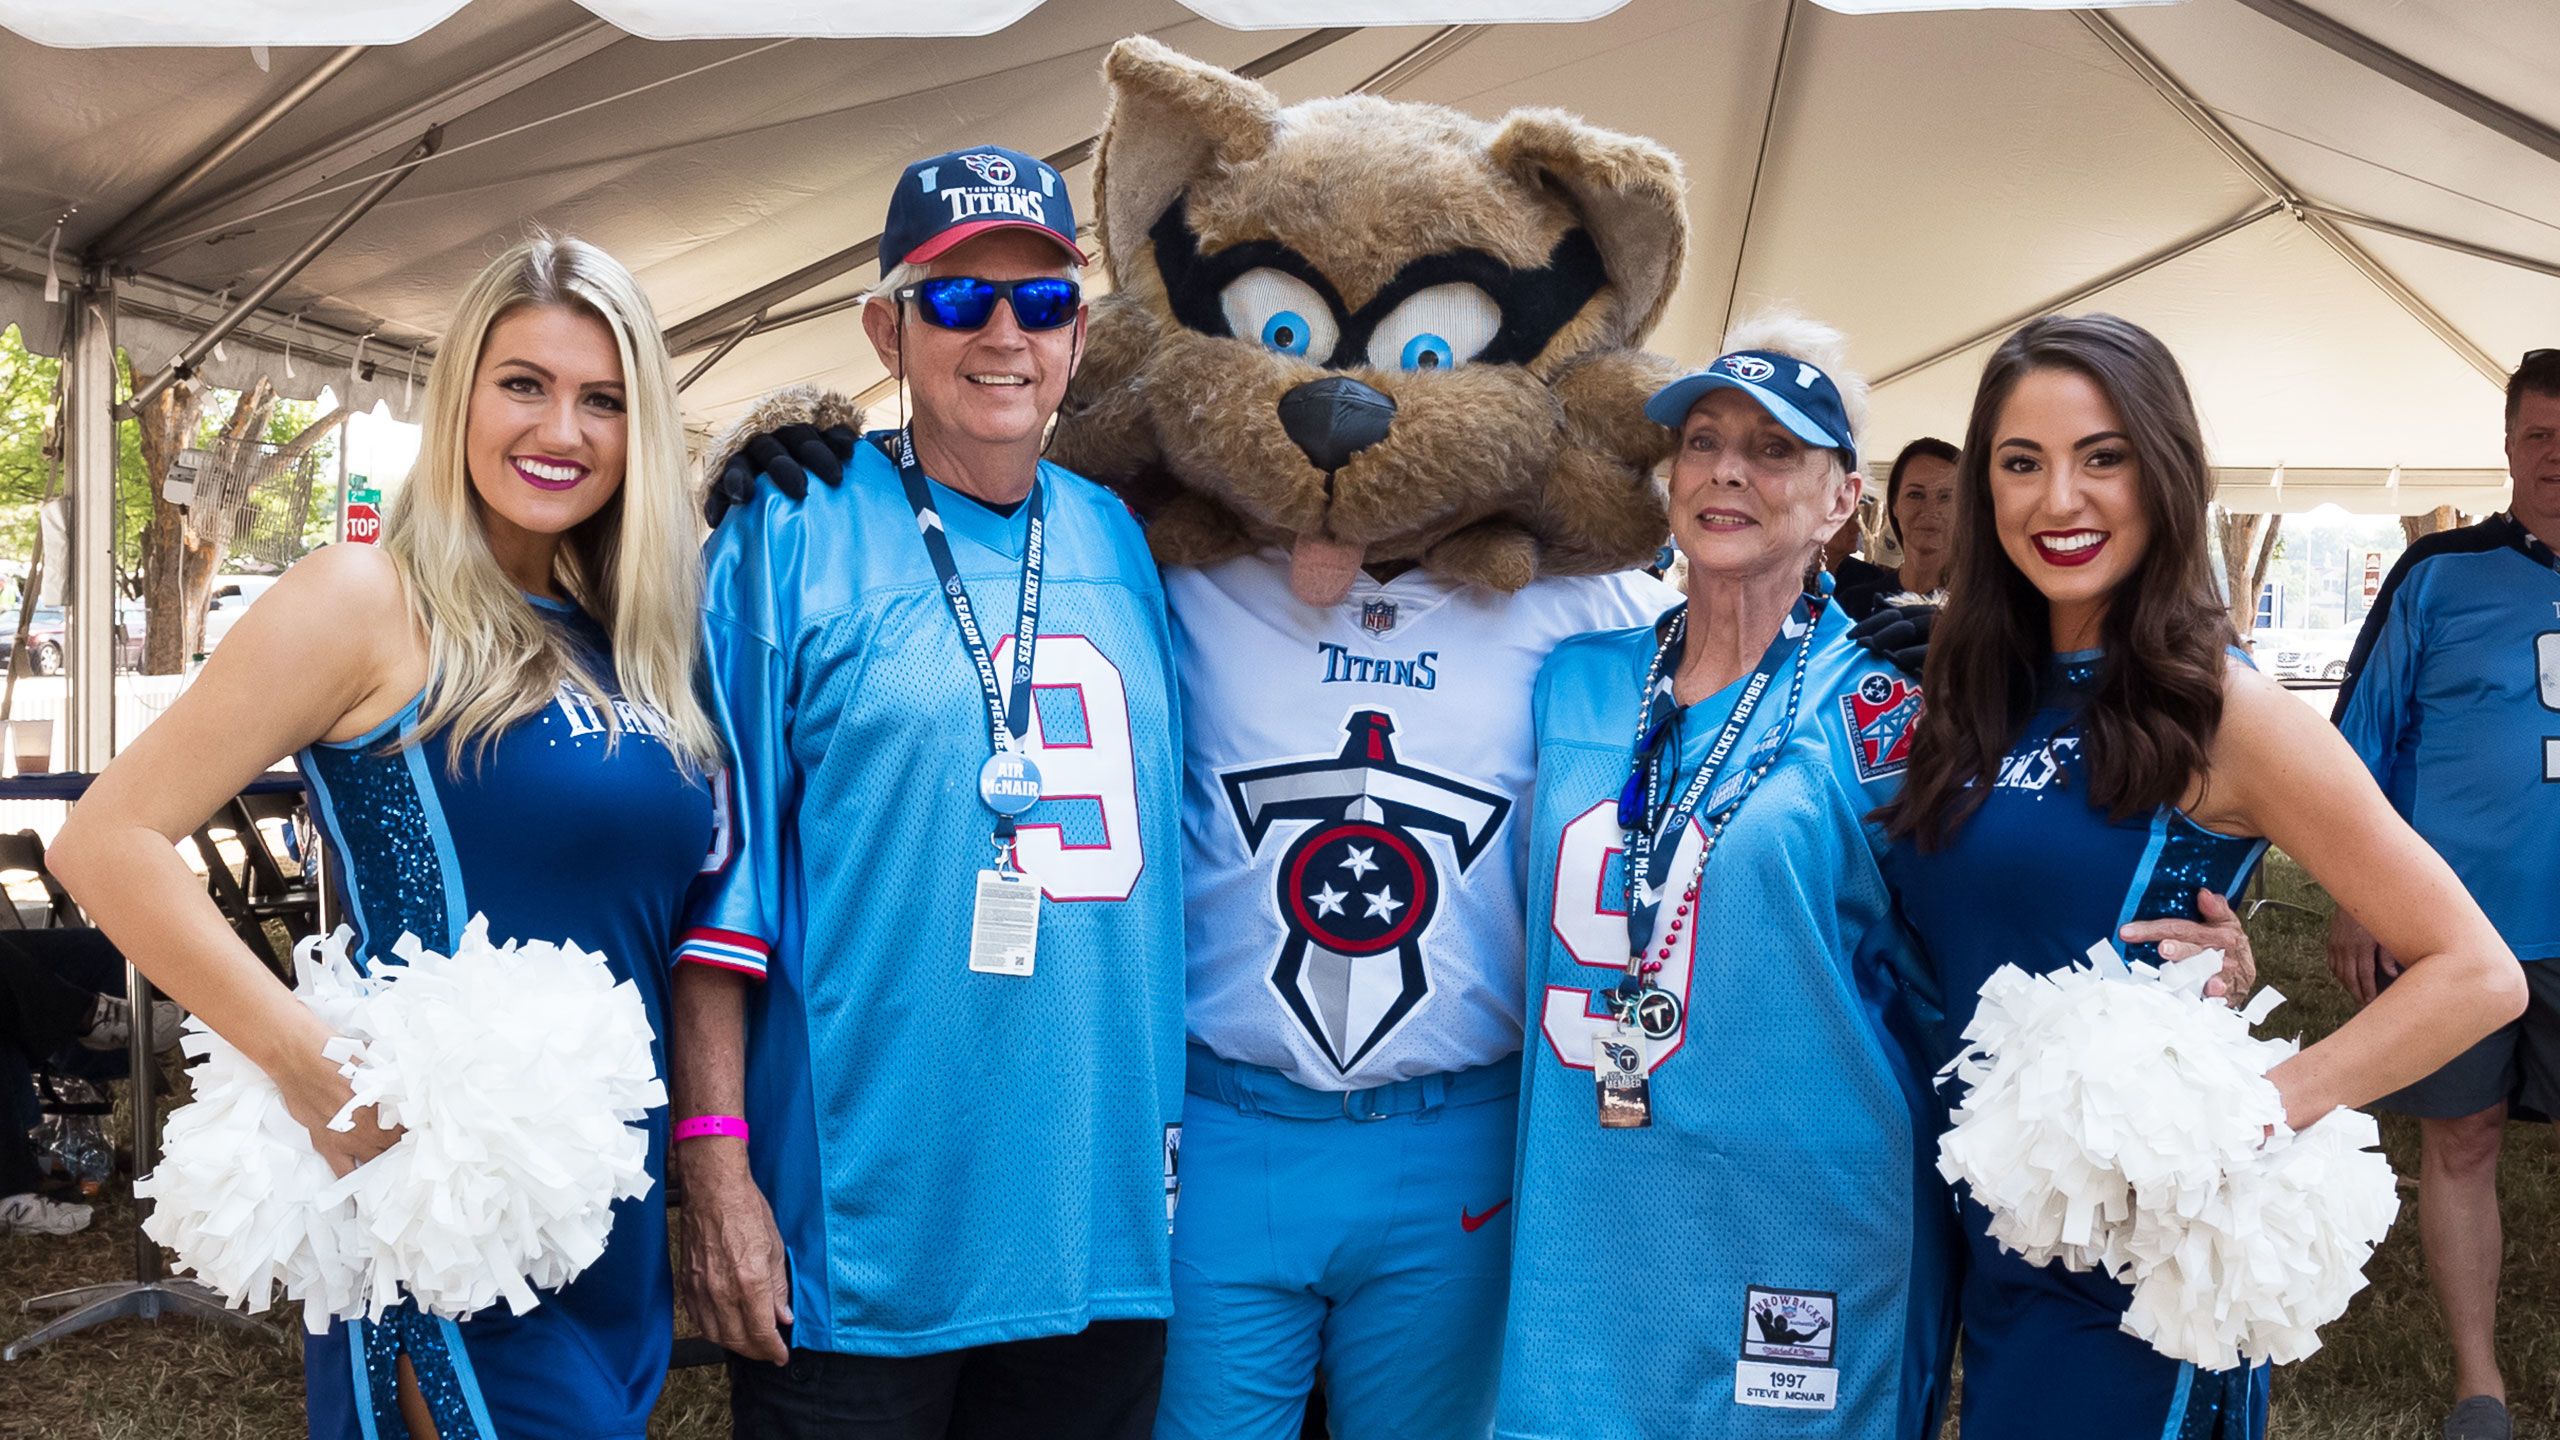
x=1258, y=1090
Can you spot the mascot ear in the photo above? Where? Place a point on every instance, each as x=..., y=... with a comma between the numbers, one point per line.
x=1628, y=192
x=1173, y=120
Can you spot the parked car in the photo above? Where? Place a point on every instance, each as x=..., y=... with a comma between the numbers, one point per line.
x=232, y=595
x=48, y=638
x=2318, y=655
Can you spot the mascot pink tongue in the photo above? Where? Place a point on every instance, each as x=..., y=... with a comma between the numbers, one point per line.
x=1321, y=569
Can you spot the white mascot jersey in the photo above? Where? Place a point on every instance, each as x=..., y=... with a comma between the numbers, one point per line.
x=1355, y=784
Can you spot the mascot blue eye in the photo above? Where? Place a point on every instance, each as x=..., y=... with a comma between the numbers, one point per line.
x=1439, y=328
x=1281, y=313
x=1286, y=332
x=1427, y=351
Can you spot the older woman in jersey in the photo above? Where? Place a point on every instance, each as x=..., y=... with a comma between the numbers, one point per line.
x=495, y=714
x=2095, y=753
x=1726, y=1218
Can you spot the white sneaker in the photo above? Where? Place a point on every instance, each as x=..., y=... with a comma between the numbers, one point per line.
x=111, y=1024
x=35, y=1215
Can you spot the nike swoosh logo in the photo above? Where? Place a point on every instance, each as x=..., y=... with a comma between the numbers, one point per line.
x=1472, y=1223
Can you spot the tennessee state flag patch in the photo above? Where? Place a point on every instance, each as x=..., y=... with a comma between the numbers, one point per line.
x=1880, y=714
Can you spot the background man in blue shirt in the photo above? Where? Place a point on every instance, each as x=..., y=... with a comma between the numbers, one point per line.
x=2452, y=698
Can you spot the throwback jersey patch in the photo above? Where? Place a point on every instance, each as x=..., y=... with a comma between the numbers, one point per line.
x=1880, y=712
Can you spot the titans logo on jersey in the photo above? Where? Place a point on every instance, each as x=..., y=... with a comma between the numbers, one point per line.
x=1357, y=887
x=1880, y=712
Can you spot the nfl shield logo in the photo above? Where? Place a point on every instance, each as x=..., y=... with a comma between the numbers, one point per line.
x=1377, y=616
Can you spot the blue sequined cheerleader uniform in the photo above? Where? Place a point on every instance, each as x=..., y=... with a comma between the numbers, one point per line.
x=554, y=835
x=2033, y=878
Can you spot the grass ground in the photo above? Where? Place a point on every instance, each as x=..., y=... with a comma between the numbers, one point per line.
x=2382, y=1374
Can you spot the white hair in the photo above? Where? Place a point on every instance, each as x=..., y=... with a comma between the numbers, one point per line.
x=1784, y=332
x=635, y=565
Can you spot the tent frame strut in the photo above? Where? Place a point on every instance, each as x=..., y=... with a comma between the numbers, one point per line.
x=2283, y=193
x=2074, y=296
x=378, y=135
x=1760, y=164
x=2400, y=70
x=108, y=245
x=185, y=363
x=2440, y=241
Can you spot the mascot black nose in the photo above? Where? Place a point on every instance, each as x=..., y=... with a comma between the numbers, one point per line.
x=1335, y=418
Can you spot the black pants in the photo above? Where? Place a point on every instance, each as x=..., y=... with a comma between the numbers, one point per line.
x=46, y=994
x=1100, y=1384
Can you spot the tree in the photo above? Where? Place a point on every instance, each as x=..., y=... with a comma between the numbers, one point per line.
x=182, y=549
x=2248, y=547
x=2443, y=517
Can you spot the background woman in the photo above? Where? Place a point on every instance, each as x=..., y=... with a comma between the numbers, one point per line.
x=1920, y=505
x=2092, y=756
x=1768, y=1251
x=495, y=715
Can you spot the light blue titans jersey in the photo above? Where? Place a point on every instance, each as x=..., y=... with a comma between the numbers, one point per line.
x=954, y=1158
x=2452, y=699
x=1775, y=1255
x=560, y=832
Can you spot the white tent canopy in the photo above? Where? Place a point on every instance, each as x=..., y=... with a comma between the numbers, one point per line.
x=2343, y=214
x=1922, y=180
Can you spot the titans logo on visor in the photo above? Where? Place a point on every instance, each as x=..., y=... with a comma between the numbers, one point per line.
x=1357, y=888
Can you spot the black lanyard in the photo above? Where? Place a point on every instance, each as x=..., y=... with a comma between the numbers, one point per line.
x=1007, y=716
x=1657, y=761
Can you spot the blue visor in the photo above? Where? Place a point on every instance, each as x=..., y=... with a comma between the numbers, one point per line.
x=1795, y=393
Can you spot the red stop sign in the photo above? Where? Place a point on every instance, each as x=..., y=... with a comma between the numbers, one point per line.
x=364, y=525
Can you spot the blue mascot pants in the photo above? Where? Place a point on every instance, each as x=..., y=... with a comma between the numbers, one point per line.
x=1368, y=1232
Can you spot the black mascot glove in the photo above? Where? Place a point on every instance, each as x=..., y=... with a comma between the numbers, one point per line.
x=1899, y=637
x=786, y=459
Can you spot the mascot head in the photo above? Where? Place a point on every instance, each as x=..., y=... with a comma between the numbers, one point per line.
x=1374, y=333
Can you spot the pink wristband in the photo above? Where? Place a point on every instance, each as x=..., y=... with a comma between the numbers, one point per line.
x=701, y=1125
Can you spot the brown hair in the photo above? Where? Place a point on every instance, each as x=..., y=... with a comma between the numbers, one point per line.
x=2539, y=375
x=1928, y=445
x=2159, y=690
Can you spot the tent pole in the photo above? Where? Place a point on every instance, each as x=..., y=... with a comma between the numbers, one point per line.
x=2281, y=191
x=2069, y=298
x=365, y=200
x=89, y=464
x=1768, y=130
x=720, y=352
x=108, y=245
x=2400, y=70
x=1436, y=47
x=708, y=327
x=344, y=152
x=2442, y=242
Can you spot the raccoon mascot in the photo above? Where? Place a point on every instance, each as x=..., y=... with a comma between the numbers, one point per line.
x=1368, y=372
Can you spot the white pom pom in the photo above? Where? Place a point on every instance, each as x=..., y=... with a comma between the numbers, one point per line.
x=2116, y=1121
x=517, y=1073
x=239, y=1193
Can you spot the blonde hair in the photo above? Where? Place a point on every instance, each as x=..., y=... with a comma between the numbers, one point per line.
x=1784, y=332
x=635, y=565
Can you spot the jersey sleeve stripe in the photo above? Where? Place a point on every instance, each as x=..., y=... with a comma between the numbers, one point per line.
x=724, y=949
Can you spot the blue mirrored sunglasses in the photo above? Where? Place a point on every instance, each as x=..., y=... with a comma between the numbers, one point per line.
x=965, y=302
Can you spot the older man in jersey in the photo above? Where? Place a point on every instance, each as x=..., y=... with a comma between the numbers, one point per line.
x=2449, y=699
x=928, y=1050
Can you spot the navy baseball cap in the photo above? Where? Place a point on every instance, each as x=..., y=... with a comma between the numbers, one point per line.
x=944, y=200
x=1795, y=393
